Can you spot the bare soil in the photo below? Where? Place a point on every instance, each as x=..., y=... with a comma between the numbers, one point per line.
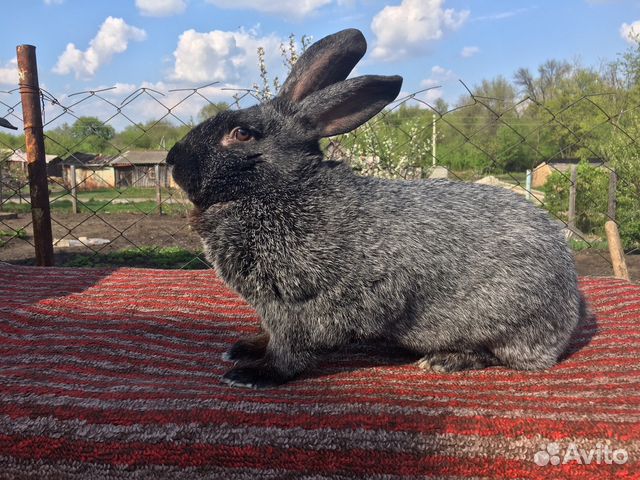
x=597, y=263
x=124, y=230
x=133, y=230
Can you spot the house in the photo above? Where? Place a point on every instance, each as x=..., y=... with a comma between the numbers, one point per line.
x=16, y=161
x=133, y=168
x=92, y=172
x=542, y=172
x=54, y=165
x=138, y=168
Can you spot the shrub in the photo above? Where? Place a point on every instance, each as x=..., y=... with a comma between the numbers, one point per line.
x=592, y=193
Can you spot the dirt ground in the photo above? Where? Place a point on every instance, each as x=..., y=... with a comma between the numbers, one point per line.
x=124, y=230
x=130, y=230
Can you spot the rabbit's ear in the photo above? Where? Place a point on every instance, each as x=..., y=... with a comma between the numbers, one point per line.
x=327, y=61
x=341, y=107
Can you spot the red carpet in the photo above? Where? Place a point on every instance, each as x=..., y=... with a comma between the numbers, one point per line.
x=115, y=374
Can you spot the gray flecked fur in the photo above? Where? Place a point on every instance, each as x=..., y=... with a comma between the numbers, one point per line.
x=466, y=275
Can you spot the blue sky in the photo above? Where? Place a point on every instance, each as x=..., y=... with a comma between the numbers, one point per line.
x=166, y=44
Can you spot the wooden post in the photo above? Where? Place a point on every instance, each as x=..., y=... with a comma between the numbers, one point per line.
x=158, y=192
x=616, y=251
x=613, y=202
x=434, y=140
x=527, y=185
x=34, y=140
x=572, y=199
x=74, y=189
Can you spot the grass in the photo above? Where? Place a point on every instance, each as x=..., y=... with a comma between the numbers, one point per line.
x=146, y=257
x=138, y=200
x=21, y=233
x=7, y=235
x=134, y=193
x=513, y=177
x=578, y=244
x=16, y=207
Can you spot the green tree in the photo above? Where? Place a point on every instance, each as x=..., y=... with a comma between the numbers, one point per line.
x=150, y=135
x=543, y=87
x=11, y=142
x=92, y=134
x=60, y=141
x=591, y=197
x=211, y=110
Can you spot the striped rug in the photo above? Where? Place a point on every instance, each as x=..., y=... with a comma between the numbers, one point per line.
x=116, y=374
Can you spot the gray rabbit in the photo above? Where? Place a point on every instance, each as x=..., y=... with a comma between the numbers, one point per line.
x=465, y=275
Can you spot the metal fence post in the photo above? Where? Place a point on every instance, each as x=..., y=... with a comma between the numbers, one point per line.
x=572, y=198
x=37, y=167
x=74, y=189
x=434, y=139
x=158, y=192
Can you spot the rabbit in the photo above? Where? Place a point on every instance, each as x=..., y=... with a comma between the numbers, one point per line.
x=466, y=276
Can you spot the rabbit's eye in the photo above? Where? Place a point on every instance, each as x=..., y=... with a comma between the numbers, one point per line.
x=241, y=134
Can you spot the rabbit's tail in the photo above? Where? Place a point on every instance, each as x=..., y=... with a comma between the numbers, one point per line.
x=574, y=333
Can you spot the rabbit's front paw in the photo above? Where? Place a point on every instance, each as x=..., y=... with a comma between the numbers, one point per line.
x=254, y=375
x=247, y=349
x=448, y=362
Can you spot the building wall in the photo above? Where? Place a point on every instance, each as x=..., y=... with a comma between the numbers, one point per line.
x=543, y=171
x=540, y=175
x=143, y=176
x=89, y=178
x=54, y=169
x=172, y=182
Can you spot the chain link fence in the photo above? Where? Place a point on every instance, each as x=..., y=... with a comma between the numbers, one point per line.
x=113, y=201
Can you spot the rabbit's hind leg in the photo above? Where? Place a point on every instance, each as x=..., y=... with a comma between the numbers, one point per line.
x=447, y=362
x=520, y=356
x=248, y=348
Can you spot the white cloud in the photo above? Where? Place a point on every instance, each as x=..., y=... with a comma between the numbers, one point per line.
x=161, y=8
x=222, y=56
x=53, y=2
x=288, y=8
x=631, y=32
x=113, y=37
x=160, y=101
x=412, y=27
x=9, y=73
x=118, y=90
x=431, y=96
x=145, y=108
x=468, y=52
x=440, y=77
x=502, y=15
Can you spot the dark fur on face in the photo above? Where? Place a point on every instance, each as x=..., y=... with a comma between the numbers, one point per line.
x=466, y=275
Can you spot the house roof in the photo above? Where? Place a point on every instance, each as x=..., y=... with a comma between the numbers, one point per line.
x=560, y=163
x=128, y=158
x=19, y=156
x=80, y=159
x=140, y=157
